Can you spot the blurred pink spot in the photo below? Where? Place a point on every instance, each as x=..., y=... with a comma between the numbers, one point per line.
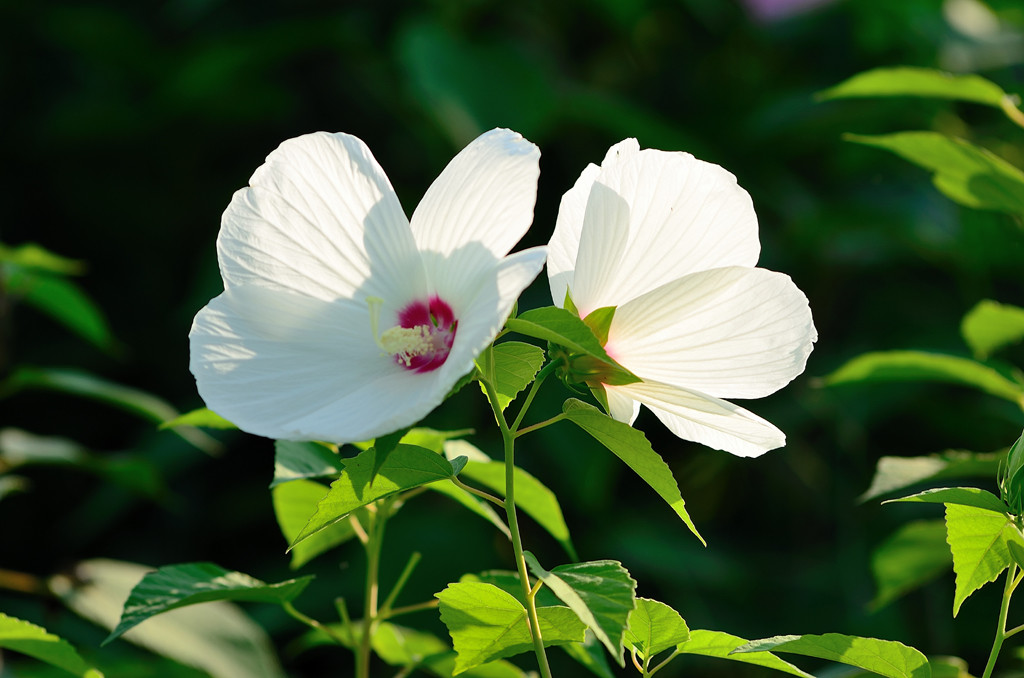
x=768, y=10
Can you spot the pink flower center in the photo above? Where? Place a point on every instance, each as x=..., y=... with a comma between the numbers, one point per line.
x=424, y=335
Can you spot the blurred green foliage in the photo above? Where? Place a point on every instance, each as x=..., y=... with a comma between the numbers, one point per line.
x=129, y=125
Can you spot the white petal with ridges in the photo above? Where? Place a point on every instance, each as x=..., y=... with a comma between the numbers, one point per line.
x=484, y=198
x=620, y=406
x=292, y=367
x=729, y=332
x=320, y=219
x=706, y=420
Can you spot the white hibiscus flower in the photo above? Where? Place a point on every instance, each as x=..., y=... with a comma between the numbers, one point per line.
x=672, y=242
x=342, y=320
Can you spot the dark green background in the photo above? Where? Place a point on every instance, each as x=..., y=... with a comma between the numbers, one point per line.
x=126, y=126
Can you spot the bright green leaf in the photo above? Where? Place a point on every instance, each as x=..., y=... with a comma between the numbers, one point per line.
x=32, y=256
x=600, y=592
x=977, y=538
x=632, y=447
x=75, y=382
x=407, y=467
x=912, y=556
x=600, y=322
x=920, y=366
x=202, y=418
x=487, y=623
x=560, y=327
x=949, y=667
x=918, y=82
x=884, y=657
x=965, y=173
x=62, y=300
x=509, y=582
x=217, y=638
x=294, y=503
x=433, y=439
x=1011, y=478
x=990, y=326
x=294, y=460
x=35, y=641
x=384, y=446
x=176, y=586
x=898, y=473
x=964, y=496
x=720, y=644
x=515, y=366
x=654, y=627
x=532, y=496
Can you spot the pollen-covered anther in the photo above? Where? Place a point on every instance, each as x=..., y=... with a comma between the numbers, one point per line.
x=406, y=343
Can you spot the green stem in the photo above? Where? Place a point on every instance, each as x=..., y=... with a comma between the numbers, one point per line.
x=540, y=425
x=480, y=493
x=509, y=442
x=534, y=387
x=1004, y=609
x=660, y=666
x=406, y=609
x=414, y=560
x=314, y=624
x=375, y=539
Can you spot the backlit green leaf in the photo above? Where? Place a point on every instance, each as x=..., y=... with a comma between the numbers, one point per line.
x=920, y=366
x=32, y=256
x=918, y=82
x=487, y=623
x=532, y=496
x=62, y=300
x=176, y=586
x=884, y=657
x=384, y=446
x=898, y=473
x=964, y=496
x=202, y=417
x=965, y=173
x=720, y=644
x=27, y=638
x=294, y=503
x=515, y=365
x=600, y=592
x=632, y=447
x=990, y=326
x=977, y=538
x=654, y=627
x=912, y=556
x=294, y=460
x=407, y=467
x=560, y=327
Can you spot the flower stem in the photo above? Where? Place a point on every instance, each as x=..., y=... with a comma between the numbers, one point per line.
x=1004, y=608
x=374, y=542
x=314, y=624
x=508, y=439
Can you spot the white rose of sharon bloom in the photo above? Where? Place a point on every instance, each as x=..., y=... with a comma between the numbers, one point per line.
x=342, y=320
x=672, y=242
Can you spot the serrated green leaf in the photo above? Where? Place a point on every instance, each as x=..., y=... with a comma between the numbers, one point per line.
x=83, y=384
x=294, y=503
x=202, y=418
x=294, y=460
x=898, y=473
x=632, y=447
x=176, y=586
x=35, y=641
x=990, y=326
x=217, y=638
x=62, y=300
x=884, y=657
x=32, y=256
x=910, y=557
x=720, y=644
x=918, y=82
x=384, y=446
x=921, y=366
x=561, y=327
x=977, y=539
x=515, y=365
x=1011, y=478
x=600, y=592
x=964, y=496
x=487, y=623
x=965, y=173
x=532, y=496
x=407, y=467
x=509, y=582
x=654, y=627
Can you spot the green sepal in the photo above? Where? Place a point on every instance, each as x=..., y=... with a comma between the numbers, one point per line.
x=600, y=321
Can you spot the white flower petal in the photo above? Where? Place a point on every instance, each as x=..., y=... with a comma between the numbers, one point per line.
x=484, y=197
x=729, y=332
x=321, y=219
x=565, y=241
x=706, y=420
x=485, y=314
x=289, y=366
x=620, y=406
